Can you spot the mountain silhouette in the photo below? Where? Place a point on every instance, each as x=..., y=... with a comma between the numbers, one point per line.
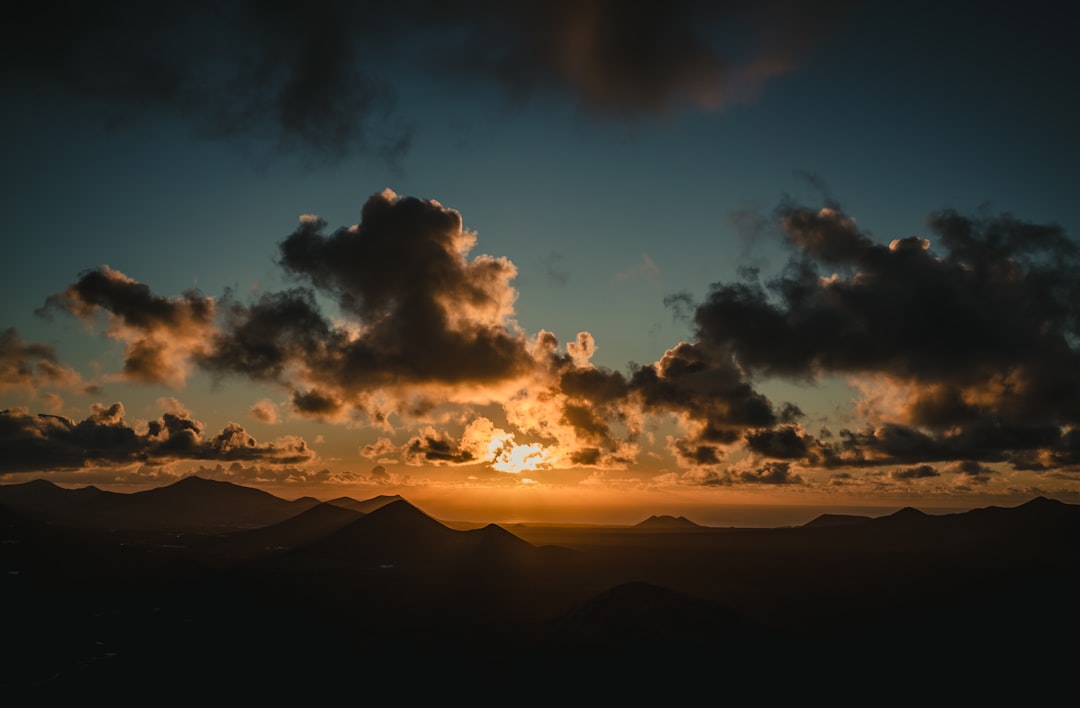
x=825, y=520
x=367, y=505
x=50, y=502
x=315, y=523
x=204, y=580
x=204, y=505
x=190, y=505
x=399, y=534
x=664, y=521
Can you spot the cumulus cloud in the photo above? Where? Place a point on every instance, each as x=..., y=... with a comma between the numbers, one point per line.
x=423, y=322
x=963, y=344
x=322, y=76
x=706, y=390
x=43, y=442
x=420, y=324
x=160, y=334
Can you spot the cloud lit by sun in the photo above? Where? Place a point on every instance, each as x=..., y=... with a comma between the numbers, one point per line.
x=521, y=458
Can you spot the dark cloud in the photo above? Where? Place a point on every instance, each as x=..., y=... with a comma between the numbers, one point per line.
x=916, y=472
x=263, y=339
x=969, y=468
x=772, y=472
x=421, y=319
x=43, y=443
x=429, y=313
x=316, y=404
x=434, y=448
x=160, y=333
x=628, y=59
x=789, y=442
x=301, y=75
x=1064, y=453
x=706, y=390
x=322, y=75
x=965, y=343
x=31, y=366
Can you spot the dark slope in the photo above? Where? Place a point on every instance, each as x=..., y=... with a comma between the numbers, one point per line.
x=392, y=534
x=43, y=500
x=315, y=523
x=395, y=594
x=637, y=617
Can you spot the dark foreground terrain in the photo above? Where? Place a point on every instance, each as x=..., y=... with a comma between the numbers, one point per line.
x=209, y=591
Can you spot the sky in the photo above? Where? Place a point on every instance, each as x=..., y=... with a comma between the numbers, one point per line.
x=546, y=261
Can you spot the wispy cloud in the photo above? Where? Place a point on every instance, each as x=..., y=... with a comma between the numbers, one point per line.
x=323, y=77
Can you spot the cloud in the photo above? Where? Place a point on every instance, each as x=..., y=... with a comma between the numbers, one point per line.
x=33, y=366
x=788, y=442
x=382, y=450
x=419, y=324
x=628, y=60
x=707, y=392
x=917, y=472
x=323, y=76
x=772, y=472
x=964, y=344
x=160, y=334
x=420, y=321
x=265, y=411
x=298, y=76
x=281, y=475
x=43, y=443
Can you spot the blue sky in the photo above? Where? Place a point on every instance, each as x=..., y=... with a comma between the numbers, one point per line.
x=623, y=164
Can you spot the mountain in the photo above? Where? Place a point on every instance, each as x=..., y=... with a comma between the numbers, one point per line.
x=45, y=501
x=826, y=520
x=366, y=506
x=195, y=504
x=317, y=522
x=399, y=533
x=329, y=588
x=661, y=522
x=190, y=505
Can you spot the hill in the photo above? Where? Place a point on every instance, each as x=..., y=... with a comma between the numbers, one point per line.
x=190, y=505
x=663, y=521
x=325, y=590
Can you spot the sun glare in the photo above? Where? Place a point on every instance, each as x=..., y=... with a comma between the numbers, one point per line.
x=521, y=458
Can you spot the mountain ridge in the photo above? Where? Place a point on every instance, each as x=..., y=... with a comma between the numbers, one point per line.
x=330, y=588
x=44, y=495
